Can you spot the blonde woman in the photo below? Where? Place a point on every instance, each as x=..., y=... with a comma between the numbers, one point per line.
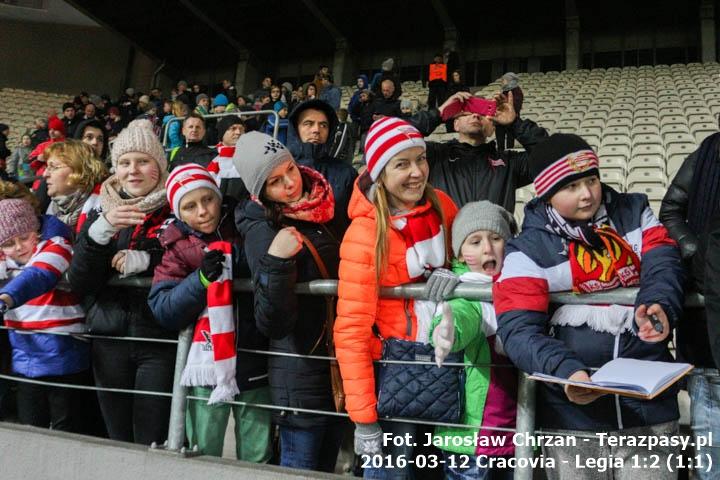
x=398, y=235
x=73, y=176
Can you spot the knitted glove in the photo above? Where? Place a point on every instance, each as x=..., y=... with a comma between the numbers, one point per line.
x=444, y=335
x=212, y=265
x=102, y=231
x=136, y=261
x=368, y=438
x=440, y=284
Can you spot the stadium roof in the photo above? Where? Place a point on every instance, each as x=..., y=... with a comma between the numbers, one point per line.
x=213, y=33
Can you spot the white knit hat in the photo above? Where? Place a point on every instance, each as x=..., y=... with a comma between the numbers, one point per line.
x=386, y=138
x=256, y=155
x=186, y=178
x=139, y=136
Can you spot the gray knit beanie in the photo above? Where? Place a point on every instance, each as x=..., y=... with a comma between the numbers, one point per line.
x=17, y=217
x=481, y=215
x=139, y=136
x=256, y=155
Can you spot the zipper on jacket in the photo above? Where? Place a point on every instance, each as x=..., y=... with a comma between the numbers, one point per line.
x=616, y=350
x=408, y=317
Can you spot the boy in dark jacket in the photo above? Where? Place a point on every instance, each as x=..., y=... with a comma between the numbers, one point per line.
x=582, y=235
x=179, y=298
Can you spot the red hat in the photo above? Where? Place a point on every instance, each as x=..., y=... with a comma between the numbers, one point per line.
x=186, y=178
x=386, y=138
x=56, y=124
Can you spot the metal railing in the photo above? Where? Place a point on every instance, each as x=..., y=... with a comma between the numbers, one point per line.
x=238, y=113
x=525, y=420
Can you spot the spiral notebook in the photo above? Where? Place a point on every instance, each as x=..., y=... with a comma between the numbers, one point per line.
x=644, y=379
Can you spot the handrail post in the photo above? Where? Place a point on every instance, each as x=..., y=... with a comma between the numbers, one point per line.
x=525, y=425
x=176, y=428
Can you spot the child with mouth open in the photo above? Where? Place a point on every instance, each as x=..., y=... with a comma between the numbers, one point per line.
x=479, y=234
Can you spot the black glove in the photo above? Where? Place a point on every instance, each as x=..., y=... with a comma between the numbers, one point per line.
x=212, y=265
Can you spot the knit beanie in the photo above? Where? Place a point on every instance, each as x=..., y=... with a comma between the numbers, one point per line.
x=256, y=155
x=56, y=124
x=559, y=160
x=483, y=215
x=287, y=86
x=512, y=81
x=220, y=100
x=386, y=138
x=139, y=136
x=279, y=105
x=186, y=178
x=405, y=103
x=201, y=96
x=387, y=64
x=67, y=105
x=130, y=91
x=17, y=217
x=226, y=122
x=144, y=99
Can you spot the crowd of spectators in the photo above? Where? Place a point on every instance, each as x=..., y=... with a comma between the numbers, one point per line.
x=157, y=187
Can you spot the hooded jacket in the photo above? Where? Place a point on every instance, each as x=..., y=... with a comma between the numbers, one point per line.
x=319, y=157
x=177, y=296
x=359, y=307
x=584, y=337
x=293, y=323
x=355, y=99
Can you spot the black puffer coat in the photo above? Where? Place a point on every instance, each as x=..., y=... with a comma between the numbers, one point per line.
x=91, y=269
x=293, y=323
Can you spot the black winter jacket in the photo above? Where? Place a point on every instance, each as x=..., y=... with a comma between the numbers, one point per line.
x=294, y=323
x=193, y=153
x=470, y=173
x=90, y=271
x=698, y=334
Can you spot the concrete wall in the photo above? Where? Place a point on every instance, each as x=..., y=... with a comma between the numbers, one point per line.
x=67, y=59
x=31, y=453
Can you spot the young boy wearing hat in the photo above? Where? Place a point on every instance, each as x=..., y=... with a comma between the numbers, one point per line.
x=36, y=252
x=180, y=295
x=581, y=235
x=479, y=234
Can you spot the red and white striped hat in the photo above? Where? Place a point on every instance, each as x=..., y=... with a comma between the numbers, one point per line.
x=186, y=178
x=386, y=138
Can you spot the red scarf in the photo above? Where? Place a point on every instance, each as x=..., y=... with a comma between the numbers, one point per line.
x=595, y=270
x=424, y=237
x=319, y=205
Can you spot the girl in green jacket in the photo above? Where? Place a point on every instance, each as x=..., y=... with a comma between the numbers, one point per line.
x=479, y=234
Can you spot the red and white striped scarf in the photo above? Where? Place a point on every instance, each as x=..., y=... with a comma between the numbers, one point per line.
x=212, y=357
x=424, y=237
x=92, y=203
x=56, y=310
x=222, y=166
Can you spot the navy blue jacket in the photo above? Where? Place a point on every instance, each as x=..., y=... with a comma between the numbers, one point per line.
x=341, y=176
x=538, y=338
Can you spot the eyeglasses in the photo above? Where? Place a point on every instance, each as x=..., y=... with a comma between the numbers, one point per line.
x=51, y=168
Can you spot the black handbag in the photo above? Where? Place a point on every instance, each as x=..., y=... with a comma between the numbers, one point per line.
x=424, y=392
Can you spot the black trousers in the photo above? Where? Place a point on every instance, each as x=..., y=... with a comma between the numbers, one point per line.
x=145, y=366
x=49, y=407
x=436, y=94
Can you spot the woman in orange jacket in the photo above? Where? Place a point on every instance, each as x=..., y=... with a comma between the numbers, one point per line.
x=399, y=234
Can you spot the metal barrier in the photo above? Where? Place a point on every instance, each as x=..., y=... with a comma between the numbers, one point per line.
x=525, y=422
x=238, y=113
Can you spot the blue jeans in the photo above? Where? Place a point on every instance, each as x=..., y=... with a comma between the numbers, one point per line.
x=465, y=467
x=313, y=448
x=398, y=430
x=704, y=390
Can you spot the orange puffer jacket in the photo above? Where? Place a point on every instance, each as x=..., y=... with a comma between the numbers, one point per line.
x=359, y=307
